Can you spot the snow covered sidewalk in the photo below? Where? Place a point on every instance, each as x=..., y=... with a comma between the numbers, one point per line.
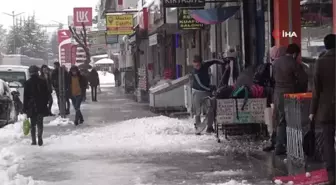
x=114, y=148
x=132, y=140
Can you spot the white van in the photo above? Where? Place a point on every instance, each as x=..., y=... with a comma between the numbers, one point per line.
x=15, y=73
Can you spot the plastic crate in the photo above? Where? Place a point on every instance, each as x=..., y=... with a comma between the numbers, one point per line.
x=298, y=124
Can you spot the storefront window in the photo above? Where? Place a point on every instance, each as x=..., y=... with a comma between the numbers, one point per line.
x=316, y=21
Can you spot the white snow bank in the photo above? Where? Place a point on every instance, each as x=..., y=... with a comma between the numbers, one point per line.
x=226, y=173
x=233, y=182
x=106, y=78
x=13, y=131
x=59, y=121
x=146, y=134
x=9, y=164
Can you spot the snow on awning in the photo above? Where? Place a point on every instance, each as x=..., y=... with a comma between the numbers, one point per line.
x=105, y=61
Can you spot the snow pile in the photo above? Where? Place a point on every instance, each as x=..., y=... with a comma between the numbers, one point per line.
x=233, y=182
x=59, y=121
x=9, y=164
x=106, y=78
x=226, y=173
x=146, y=134
x=13, y=131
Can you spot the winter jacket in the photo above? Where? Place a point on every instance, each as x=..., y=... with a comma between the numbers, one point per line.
x=323, y=101
x=48, y=81
x=289, y=75
x=55, y=80
x=82, y=82
x=201, y=77
x=94, y=78
x=36, y=96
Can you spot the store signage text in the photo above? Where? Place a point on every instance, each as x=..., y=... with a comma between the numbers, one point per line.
x=183, y=3
x=119, y=24
x=186, y=22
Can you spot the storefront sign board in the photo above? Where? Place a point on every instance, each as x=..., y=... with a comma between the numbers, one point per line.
x=186, y=22
x=119, y=24
x=183, y=3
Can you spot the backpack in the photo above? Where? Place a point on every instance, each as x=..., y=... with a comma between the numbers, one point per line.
x=263, y=76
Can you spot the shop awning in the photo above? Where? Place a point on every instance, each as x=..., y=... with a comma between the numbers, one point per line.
x=214, y=15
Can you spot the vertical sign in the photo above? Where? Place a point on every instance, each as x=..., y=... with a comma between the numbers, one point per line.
x=65, y=47
x=82, y=15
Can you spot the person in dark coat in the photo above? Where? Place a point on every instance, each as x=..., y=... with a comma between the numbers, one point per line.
x=94, y=82
x=45, y=75
x=55, y=84
x=77, y=84
x=289, y=77
x=322, y=109
x=35, y=104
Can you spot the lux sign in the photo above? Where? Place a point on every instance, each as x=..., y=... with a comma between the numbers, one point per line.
x=82, y=15
x=183, y=3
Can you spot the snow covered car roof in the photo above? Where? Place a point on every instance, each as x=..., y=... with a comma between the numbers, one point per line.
x=13, y=67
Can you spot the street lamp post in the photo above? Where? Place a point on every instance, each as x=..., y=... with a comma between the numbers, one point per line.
x=13, y=15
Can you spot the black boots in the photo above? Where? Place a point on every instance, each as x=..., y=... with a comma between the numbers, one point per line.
x=210, y=130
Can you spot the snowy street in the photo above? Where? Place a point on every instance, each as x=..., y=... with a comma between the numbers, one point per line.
x=122, y=143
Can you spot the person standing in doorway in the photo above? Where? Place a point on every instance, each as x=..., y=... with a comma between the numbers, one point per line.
x=322, y=109
x=77, y=84
x=94, y=82
x=35, y=104
x=45, y=75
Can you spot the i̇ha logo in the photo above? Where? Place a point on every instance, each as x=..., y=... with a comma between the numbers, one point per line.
x=277, y=34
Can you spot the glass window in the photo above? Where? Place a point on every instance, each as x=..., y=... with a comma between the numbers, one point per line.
x=316, y=21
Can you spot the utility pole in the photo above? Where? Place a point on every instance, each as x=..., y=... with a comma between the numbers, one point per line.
x=13, y=15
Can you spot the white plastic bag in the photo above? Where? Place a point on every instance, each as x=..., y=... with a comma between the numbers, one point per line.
x=268, y=112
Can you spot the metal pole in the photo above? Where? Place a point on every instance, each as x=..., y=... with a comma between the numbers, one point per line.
x=61, y=91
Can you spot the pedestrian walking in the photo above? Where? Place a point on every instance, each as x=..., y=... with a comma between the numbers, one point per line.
x=35, y=104
x=94, y=83
x=55, y=84
x=322, y=109
x=77, y=84
x=45, y=75
x=289, y=77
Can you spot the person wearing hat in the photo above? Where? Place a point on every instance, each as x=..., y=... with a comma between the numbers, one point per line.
x=201, y=87
x=35, y=104
x=77, y=84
